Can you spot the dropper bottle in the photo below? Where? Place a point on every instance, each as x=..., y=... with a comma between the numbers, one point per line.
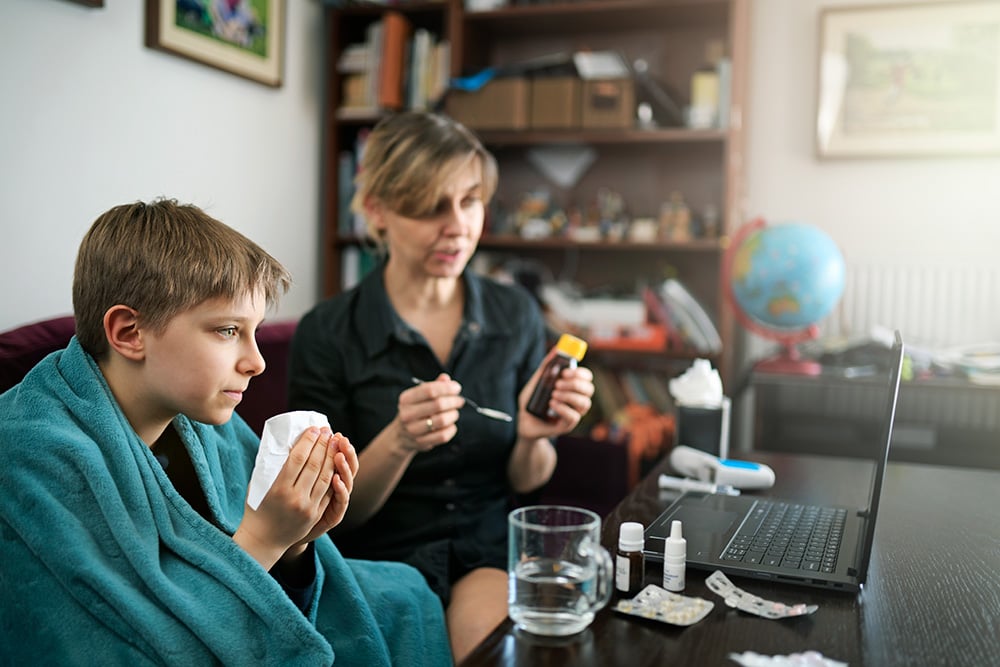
x=569, y=352
x=674, y=559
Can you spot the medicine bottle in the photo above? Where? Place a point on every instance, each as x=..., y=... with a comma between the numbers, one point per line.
x=569, y=352
x=674, y=559
x=629, y=560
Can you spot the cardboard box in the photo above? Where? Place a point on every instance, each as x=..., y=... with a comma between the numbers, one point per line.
x=608, y=103
x=555, y=103
x=502, y=104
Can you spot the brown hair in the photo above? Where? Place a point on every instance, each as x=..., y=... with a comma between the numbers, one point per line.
x=161, y=259
x=410, y=157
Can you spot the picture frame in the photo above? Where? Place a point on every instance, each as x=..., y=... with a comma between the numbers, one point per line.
x=245, y=38
x=909, y=80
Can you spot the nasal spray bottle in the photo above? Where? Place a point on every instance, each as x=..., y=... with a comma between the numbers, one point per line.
x=674, y=559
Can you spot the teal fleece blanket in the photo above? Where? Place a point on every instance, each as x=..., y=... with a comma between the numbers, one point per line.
x=103, y=562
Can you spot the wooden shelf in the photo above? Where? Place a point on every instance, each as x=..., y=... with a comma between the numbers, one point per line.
x=614, y=15
x=491, y=242
x=516, y=243
x=643, y=166
x=672, y=135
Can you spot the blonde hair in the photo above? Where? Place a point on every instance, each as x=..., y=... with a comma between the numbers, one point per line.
x=410, y=158
x=161, y=259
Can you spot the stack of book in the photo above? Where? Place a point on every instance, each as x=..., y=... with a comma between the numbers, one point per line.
x=396, y=67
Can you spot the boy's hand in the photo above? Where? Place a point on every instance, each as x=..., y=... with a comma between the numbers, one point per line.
x=346, y=467
x=297, y=500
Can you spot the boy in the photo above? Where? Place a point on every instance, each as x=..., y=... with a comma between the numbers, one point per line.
x=124, y=533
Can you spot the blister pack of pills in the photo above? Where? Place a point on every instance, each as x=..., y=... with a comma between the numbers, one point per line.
x=738, y=598
x=659, y=604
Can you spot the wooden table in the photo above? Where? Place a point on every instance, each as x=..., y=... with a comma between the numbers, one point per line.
x=932, y=595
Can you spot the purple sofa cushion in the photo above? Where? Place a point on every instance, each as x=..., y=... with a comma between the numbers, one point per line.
x=25, y=346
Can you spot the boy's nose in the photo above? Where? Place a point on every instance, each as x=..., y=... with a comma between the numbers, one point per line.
x=253, y=362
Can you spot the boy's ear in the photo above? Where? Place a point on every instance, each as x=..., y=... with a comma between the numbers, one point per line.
x=121, y=327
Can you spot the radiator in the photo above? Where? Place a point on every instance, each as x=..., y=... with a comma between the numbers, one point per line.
x=935, y=307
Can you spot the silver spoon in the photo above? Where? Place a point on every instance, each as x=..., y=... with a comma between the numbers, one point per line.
x=486, y=412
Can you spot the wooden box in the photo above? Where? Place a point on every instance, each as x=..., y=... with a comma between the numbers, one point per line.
x=555, y=103
x=502, y=104
x=608, y=103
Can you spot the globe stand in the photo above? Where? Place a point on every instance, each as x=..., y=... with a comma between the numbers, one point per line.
x=788, y=361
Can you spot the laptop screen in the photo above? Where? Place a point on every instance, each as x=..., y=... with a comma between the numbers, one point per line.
x=895, y=370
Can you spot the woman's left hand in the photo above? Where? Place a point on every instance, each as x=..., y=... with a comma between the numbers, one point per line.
x=571, y=400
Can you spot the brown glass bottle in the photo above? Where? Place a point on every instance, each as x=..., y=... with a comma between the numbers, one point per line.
x=629, y=559
x=569, y=351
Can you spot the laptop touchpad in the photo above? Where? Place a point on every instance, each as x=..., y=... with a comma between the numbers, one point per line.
x=705, y=520
x=705, y=529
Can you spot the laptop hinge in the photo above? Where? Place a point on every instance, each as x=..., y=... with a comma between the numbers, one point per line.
x=863, y=513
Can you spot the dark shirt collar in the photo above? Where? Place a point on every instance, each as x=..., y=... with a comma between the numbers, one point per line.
x=379, y=319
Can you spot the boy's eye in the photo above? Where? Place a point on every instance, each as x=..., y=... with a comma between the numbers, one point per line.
x=228, y=332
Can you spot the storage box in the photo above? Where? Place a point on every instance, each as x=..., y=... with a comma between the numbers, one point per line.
x=502, y=104
x=608, y=103
x=555, y=103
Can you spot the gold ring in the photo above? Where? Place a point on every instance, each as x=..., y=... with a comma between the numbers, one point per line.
x=430, y=424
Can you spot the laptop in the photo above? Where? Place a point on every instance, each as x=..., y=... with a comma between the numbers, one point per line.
x=821, y=546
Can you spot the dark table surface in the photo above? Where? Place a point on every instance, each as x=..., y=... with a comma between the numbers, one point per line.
x=932, y=595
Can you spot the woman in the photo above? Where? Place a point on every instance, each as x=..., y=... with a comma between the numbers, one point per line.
x=390, y=360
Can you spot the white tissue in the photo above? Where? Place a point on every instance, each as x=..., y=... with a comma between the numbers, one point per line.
x=280, y=433
x=699, y=386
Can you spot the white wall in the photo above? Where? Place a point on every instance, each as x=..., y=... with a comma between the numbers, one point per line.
x=91, y=118
x=908, y=213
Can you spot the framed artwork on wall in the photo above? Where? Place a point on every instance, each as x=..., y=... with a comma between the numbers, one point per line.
x=243, y=37
x=909, y=80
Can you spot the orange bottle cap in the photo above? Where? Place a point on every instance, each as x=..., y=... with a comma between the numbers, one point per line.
x=572, y=346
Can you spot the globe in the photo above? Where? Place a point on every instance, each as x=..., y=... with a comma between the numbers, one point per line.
x=782, y=279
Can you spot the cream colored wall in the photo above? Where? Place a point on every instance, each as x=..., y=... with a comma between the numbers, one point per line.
x=91, y=118
x=938, y=213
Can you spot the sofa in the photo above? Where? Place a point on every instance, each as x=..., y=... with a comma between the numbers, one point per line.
x=592, y=473
x=23, y=347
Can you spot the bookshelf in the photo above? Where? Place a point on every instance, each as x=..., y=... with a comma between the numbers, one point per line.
x=644, y=165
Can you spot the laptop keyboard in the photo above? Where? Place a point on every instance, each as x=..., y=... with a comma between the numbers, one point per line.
x=801, y=537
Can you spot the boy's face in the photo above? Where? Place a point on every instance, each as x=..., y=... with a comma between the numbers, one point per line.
x=202, y=362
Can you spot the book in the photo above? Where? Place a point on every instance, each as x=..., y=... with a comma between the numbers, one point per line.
x=345, y=191
x=373, y=39
x=396, y=31
x=420, y=53
x=695, y=322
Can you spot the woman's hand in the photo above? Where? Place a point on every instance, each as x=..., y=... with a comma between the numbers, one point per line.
x=299, y=498
x=428, y=412
x=571, y=400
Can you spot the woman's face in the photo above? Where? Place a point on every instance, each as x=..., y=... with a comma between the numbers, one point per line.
x=440, y=244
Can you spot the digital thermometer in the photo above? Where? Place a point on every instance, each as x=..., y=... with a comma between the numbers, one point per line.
x=730, y=472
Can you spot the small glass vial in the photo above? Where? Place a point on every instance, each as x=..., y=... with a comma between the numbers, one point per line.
x=569, y=352
x=629, y=560
x=674, y=559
